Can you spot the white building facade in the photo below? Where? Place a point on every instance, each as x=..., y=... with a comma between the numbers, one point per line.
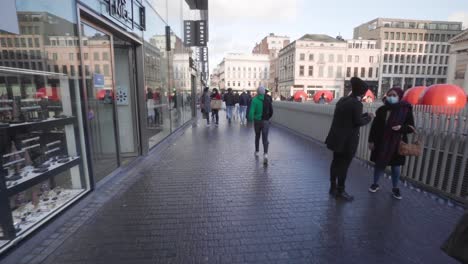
x=458, y=62
x=244, y=71
x=320, y=62
x=414, y=52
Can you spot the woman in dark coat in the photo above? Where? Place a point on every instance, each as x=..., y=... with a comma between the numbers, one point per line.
x=393, y=122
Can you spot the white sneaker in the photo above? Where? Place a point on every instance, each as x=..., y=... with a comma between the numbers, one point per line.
x=207, y=125
x=265, y=158
x=257, y=154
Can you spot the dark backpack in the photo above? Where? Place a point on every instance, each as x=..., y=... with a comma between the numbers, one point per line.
x=267, y=108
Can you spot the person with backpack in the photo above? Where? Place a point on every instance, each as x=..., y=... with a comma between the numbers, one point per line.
x=243, y=103
x=261, y=110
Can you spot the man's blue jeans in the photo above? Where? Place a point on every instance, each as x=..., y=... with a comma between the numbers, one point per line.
x=229, y=109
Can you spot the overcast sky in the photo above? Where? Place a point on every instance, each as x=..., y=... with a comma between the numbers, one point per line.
x=236, y=25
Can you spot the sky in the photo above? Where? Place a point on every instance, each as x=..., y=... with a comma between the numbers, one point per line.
x=237, y=25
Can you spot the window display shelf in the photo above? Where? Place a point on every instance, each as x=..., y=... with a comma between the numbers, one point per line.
x=29, y=215
x=48, y=123
x=29, y=178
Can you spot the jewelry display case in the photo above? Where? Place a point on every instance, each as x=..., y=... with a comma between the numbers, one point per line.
x=42, y=169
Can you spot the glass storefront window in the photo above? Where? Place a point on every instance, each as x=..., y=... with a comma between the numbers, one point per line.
x=43, y=164
x=158, y=121
x=43, y=161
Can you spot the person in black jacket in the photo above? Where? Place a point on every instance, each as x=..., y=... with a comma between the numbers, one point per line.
x=393, y=122
x=343, y=138
x=243, y=102
x=230, y=103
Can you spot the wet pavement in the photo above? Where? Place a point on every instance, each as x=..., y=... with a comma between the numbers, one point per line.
x=204, y=198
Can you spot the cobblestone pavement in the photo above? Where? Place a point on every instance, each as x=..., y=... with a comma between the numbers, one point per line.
x=206, y=199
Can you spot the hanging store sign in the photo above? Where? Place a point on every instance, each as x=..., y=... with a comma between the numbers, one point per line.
x=128, y=13
x=195, y=33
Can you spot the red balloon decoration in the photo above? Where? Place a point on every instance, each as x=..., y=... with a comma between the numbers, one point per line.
x=300, y=95
x=327, y=94
x=444, y=95
x=413, y=95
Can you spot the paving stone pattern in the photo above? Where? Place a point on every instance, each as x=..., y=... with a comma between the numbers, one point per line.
x=206, y=199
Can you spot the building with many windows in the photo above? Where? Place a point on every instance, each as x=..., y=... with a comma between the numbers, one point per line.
x=271, y=45
x=458, y=62
x=320, y=62
x=244, y=71
x=414, y=52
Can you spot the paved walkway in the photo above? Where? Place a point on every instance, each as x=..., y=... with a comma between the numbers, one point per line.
x=205, y=199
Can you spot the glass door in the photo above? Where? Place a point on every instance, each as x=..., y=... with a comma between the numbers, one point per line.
x=97, y=63
x=124, y=61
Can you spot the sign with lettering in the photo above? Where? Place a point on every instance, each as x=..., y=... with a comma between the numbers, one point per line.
x=129, y=13
x=195, y=33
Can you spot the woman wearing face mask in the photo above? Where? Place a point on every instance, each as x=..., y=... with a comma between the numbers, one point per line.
x=393, y=122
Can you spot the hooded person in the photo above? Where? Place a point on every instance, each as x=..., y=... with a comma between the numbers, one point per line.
x=392, y=124
x=343, y=137
x=261, y=110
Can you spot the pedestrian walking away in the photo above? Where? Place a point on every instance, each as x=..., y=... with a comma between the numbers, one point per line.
x=216, y=98
x=392, y=124
x=236, y=106
x=243, y=102
x=261, y=110
x=230, y=103
x=343, y=137
x=249, y=102
x=205, y=105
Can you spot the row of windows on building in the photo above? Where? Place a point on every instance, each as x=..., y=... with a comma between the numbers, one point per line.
x=360, y=45
x=331, y=58
x=408, y=36
x=415, y=48
x=261, y=75
x=425, y=70
x=246, y=69
x=242, y=84
x=387, y=82
x=20, y=42
x=370, y=73
x=65, y=69
x=36, y=54
x=419, y=59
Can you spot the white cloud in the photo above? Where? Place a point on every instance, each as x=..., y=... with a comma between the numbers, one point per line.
x=461, y=16
x=229, y=11
x=237, y=25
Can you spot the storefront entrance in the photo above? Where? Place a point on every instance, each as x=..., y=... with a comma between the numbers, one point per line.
x=109, y=64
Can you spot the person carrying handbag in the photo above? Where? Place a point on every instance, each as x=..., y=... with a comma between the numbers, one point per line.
x=392, y=124
x=205, y=105
x=215, y=105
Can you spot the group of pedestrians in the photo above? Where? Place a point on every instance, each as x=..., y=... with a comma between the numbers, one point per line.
x=258, y=110
x=390, y=125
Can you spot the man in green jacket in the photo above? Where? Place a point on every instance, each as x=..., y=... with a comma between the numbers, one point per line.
x=261, y=110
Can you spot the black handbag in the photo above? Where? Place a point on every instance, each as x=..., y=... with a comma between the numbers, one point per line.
x=456, y=245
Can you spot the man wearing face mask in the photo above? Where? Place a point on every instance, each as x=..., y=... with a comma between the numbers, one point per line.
x=343, y=138
x=393, y=122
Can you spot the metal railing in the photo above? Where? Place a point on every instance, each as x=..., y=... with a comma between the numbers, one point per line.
x=443, y=166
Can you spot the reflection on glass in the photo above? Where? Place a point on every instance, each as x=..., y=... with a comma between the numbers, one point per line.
x=156, y=81
x=100, y=93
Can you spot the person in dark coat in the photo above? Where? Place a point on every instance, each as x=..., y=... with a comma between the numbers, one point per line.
x=456, y=244
x=249, y=102
x=343, y=138
x=393, y=122
x=229, y=98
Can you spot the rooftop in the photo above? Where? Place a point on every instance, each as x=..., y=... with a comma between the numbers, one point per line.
x=320, y=38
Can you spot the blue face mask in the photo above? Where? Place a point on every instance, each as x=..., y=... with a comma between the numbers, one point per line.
x=392, y=100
